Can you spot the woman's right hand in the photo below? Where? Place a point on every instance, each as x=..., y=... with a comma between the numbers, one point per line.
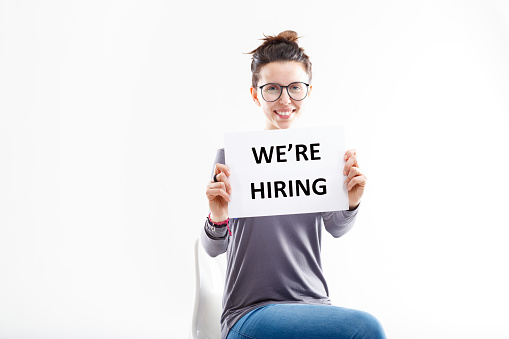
x=218, y=194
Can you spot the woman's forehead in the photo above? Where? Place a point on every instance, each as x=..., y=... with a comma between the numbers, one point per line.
x=283, y=72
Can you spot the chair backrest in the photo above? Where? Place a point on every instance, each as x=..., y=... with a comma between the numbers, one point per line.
x=210, y=276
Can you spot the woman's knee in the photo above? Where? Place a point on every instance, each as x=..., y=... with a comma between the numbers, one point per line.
x=368, y=326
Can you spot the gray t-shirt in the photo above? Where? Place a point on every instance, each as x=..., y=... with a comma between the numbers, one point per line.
x=272, y=259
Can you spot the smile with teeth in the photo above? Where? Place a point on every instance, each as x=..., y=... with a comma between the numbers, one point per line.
x=284, y=112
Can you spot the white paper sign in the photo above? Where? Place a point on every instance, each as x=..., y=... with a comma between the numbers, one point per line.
x=288, y=171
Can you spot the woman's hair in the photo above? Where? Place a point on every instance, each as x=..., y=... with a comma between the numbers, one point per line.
x=283, y=47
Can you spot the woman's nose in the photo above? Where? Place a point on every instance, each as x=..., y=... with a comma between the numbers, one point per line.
x=285, y=98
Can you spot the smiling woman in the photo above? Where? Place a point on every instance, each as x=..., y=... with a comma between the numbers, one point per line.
x=281, y=108
x=275, y=287
x=279, y=63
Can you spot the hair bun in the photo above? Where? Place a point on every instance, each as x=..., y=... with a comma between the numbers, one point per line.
x=290, y=36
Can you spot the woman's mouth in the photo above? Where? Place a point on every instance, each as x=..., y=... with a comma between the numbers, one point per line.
x=285, y=113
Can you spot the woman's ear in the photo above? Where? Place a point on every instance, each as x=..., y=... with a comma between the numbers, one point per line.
x=254, y=95
x=310, y=88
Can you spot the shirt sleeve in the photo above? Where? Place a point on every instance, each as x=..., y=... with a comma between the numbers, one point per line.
x=215, y=239
x=339, y=223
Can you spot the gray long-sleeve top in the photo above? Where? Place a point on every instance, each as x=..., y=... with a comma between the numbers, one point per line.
x=272, y=259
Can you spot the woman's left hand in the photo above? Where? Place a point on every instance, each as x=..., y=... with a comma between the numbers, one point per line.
x=355, y=181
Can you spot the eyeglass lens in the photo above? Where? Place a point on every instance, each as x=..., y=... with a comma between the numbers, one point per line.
x=297, y=91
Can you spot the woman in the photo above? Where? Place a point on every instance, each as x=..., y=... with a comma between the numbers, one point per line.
x=275, y=287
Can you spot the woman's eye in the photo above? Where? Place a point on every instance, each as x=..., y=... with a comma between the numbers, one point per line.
x=272, y=88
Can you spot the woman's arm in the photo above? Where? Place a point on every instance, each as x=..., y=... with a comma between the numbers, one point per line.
x=214, y=239
x=338, y=223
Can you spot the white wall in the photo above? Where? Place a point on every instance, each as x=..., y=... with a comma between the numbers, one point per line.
x=111, y=112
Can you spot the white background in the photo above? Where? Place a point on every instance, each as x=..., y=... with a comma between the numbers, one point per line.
x=111, y=113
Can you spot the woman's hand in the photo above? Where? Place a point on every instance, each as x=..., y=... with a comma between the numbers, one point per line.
x=218, y=194
x=356, y=181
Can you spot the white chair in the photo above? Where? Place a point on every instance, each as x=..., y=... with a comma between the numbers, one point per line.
x=210, y=276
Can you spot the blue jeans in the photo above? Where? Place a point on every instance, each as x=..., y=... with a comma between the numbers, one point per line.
x=306, y=321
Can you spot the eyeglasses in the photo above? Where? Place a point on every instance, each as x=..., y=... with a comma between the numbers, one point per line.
x=296, y=90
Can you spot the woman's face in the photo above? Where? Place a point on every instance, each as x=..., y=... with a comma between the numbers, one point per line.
x=281, y=113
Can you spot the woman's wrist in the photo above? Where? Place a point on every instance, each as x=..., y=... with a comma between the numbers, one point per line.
x=353, y=208
x=221, y=224
x=221, y=219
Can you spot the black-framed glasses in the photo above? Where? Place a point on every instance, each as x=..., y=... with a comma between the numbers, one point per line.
x=296, y=90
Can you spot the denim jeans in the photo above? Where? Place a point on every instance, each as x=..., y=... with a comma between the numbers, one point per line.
x=306, y=321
